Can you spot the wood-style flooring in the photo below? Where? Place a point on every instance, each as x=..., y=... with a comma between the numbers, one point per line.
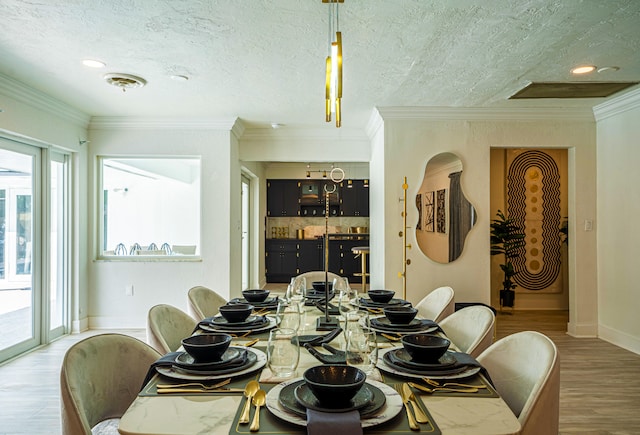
x=599, y=390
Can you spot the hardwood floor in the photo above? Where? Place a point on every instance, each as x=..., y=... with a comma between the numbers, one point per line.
x=599, y=390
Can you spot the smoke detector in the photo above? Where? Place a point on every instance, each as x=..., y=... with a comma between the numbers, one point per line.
x=124, y=81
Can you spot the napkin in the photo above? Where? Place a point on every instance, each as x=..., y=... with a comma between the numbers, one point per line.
x=165, y=361
x=334, y=423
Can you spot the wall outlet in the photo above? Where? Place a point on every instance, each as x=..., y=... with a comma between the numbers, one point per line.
x=128, y=290
x=588, y=225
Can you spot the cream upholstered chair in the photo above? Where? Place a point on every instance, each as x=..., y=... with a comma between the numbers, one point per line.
x=436, y=305
x=100, y=377
x=471, y=329
x=204, y=302
x=167, y=326
x=317, y=275
x=525, y=369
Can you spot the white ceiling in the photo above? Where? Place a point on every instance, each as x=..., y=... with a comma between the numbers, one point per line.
x=263, y=60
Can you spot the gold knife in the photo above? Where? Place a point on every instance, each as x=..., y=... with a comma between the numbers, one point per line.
x=413, y=424
x=421, y=417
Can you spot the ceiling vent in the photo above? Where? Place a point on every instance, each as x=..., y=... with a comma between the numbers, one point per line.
x=125, y=81
x=570, y=89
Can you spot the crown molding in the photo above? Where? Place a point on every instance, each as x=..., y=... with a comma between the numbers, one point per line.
x=486, y=113
x=374, y=124
x=141, y=123
x=618, y=105
x=302, y=133
x=39, y=100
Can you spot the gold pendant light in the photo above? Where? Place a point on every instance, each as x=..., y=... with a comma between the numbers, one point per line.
x=333, y=78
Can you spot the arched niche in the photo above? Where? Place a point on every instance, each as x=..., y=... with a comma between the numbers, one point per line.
x=445, y=214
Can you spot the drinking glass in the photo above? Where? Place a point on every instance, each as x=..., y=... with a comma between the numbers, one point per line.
x=355, y=321
x=288, y=315
x=362, y=349
x=283, y=352
x=347, y=297
x=299, y=287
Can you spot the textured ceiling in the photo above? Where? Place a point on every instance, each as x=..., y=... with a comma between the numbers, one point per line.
x=263, y=60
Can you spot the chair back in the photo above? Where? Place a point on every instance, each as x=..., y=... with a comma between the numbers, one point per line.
x=100, y=377
x=167, y=326
x=204, y=302
x=525, y=369
x=471, y=328
x=317, y=275
x=437, y=305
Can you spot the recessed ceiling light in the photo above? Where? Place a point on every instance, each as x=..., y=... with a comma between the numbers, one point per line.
x=92, y=63
x=608, y=69
x=125, y=81
x=583, y=69
x=179, y=78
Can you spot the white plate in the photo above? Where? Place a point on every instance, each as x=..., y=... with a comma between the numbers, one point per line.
x=211, y=328
x=382, y=365
x=170, y=372
x=391, y=408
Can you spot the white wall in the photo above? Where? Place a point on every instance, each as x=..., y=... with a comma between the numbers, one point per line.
x=412, y=137
x=618, y=210
x=157, y=280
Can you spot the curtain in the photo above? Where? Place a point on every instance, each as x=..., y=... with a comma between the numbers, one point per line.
x=460, y=215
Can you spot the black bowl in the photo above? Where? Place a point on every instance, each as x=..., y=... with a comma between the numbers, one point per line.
x=400, y=315
x=236, y=313
x=381, y=296
x=425, y=347
x=206, y=347
x=257, y=295
x=334, y=384
x=319, y=286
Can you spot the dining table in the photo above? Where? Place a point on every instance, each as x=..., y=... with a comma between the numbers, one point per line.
x=217, y=412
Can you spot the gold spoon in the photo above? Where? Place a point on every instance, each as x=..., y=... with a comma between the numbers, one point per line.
x=249, y=390
x=259, y=399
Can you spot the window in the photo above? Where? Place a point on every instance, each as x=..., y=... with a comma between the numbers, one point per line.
x=150, y=207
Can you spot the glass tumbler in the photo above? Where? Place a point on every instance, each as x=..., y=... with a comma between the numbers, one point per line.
x=362, y=349
x=288, y=315
x=283, y=352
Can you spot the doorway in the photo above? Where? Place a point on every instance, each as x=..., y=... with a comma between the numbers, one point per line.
x=531, y=186
x=246, y=233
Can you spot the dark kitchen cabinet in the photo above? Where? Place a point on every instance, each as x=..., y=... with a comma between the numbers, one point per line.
x=354, y=199
x=310, y=255
x=282, y=198
x=281, y=259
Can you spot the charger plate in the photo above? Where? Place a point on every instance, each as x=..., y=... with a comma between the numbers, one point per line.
x=392, y=407
x=219, y=328
x=408, y=373
x=192, y=375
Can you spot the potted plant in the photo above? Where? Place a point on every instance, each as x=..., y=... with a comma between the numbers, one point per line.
x=506, y=239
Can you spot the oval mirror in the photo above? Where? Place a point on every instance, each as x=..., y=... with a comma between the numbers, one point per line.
x=445, y=216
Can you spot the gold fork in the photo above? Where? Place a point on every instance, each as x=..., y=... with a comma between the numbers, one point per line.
x=451, y=384
x=195, y=384
x=443, y=389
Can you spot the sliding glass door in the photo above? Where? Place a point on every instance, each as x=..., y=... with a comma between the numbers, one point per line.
x=33, y=247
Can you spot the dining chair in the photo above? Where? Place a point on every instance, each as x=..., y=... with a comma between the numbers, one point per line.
x=471, y=328
x=167, y=326
x=436, y=305
x=204, y=302
x=100, y=377
x=525, y=370
x=317, y=275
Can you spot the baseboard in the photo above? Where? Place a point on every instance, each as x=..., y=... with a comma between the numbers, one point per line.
x=105, y=322
x=81, y=325
x=619, y=338
x=582, y=330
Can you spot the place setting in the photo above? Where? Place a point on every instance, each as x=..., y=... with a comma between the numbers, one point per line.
x=379, y=299
x=237, y=319
x=209, y=357
x=401, y=319
x=259, y=298
x=428, y=356
x=337, y=394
